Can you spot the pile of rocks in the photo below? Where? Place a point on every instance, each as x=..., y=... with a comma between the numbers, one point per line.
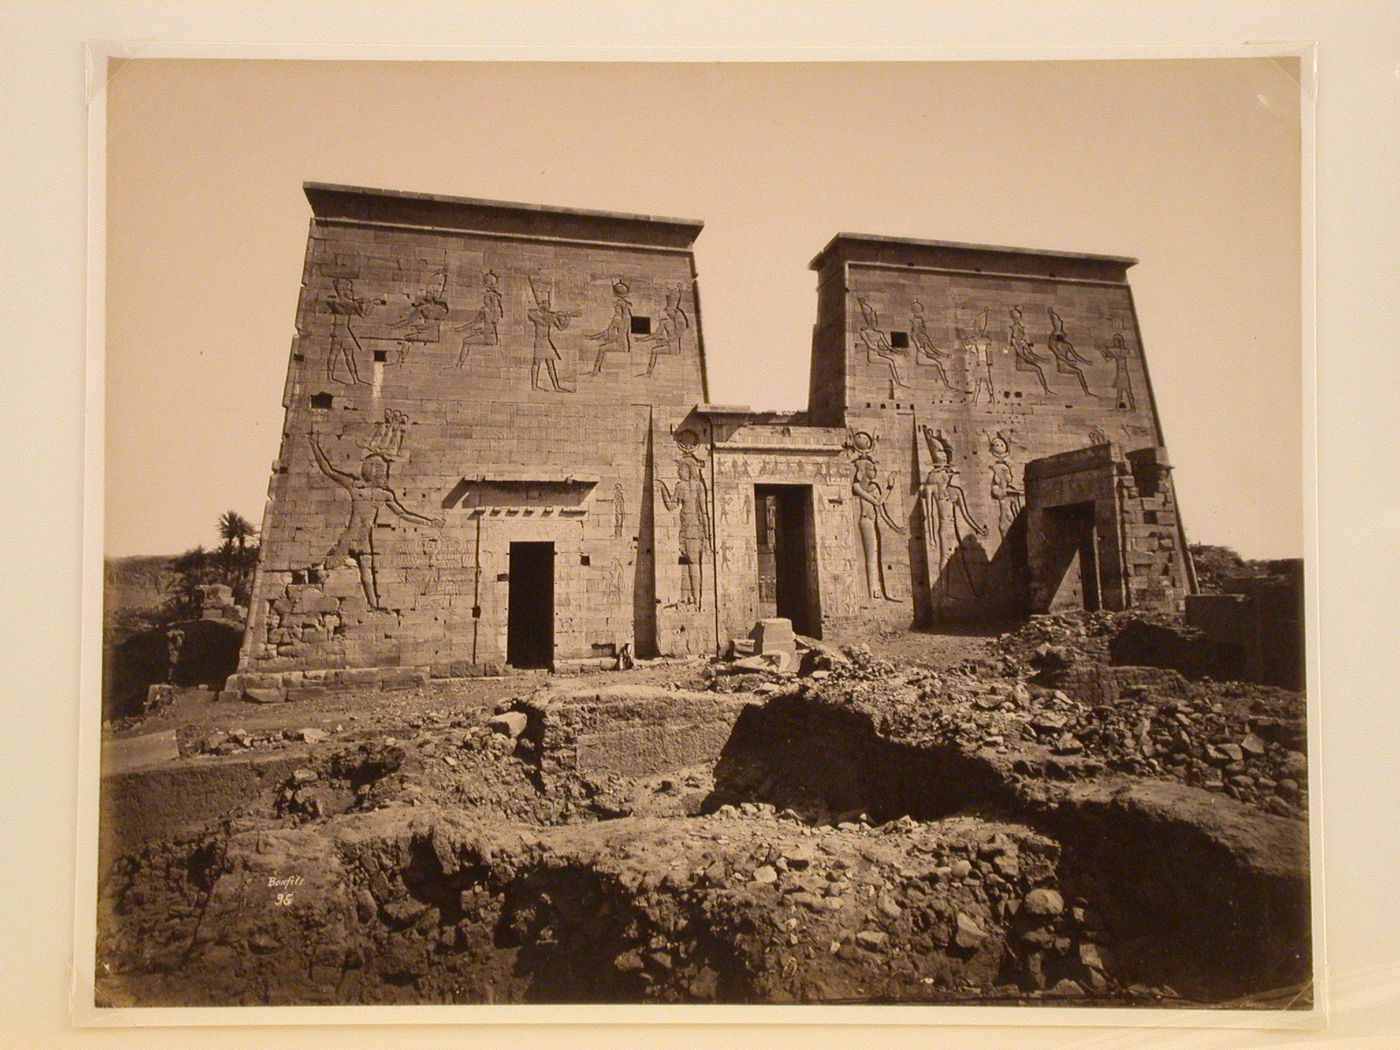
x=237, y=740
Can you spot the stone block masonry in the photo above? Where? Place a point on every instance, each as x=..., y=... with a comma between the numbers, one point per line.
x=498, y=447
x=467, y=376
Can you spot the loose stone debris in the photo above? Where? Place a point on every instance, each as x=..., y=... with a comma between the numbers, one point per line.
x=1022, y=819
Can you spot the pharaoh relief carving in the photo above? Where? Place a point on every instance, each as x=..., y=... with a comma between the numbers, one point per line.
x=545, y=320
x=1117, y=352
x=617, y=336
x=425, y=312
x=1067, y=358
x=876, y=344
x=925, y=350
x=690, y=502
x=1006, y=493
x=619, y=509
x=978, y=348
x=370, y=495
x=946, y=515
x=670, y=329
x=483, y=329
x=346, y=308
x=871, y=501
x=1027, y=360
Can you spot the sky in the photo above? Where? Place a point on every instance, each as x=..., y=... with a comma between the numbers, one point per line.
x=1191, y=166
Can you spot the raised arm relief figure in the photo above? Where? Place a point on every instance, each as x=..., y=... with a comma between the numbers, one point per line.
x=370, y=494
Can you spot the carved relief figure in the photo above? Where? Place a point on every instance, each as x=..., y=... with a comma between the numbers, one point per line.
x=345, y=307
x=546, y=320
x=945, y=509
x=875, y=342
x=978, y=347
x=370, y=494
x=615, y=581
x=1004, y=489
x=1027, y=360
x=690, y=501
x=426, y=308
x=924, y=347
x=670, y=330
x=1067, y=358
x=619, y=508
x=484, y=329
x=618, y=334
x=871, y=499
x=1117, y=352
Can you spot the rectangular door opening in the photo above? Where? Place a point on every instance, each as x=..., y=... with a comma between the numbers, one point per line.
x=787, y=556
x=530, y=619
x=1072, y=539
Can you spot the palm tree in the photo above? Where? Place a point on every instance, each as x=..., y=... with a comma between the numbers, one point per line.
x=182, y=579
x=235, y=529
x=238, y=557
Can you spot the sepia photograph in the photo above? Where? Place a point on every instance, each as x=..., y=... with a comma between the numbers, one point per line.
x=705, y=534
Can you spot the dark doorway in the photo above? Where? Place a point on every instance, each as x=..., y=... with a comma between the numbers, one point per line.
x=1072, y=543
x=530, y=620
x=787, y=557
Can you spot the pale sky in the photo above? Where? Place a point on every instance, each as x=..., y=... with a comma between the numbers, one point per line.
x=1190, y=166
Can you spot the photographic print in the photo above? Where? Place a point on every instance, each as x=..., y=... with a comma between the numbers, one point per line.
x=915, y=617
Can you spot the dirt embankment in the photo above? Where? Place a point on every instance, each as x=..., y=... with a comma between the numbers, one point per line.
x=867, y=831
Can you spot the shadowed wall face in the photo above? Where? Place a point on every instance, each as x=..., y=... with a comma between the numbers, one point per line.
x=963, y=364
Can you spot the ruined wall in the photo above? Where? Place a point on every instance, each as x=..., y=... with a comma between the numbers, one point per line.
x=981, y=359
x=464, y=375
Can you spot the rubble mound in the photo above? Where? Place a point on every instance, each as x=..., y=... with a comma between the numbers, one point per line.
x=1030, y=822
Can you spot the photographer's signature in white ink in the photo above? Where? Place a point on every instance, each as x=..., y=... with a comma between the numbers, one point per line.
x=284, y=884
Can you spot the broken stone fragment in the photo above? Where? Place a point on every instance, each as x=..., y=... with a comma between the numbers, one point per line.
x=872, y=940
x=1233, y=752
x=1089, y=957
x=1067, y=987
x=765, y=875
x=1043, y=903
x=510, y=724
x=628, y=962
x=774, y=635
x=969, y=934
x=1295, y=766
x=798, y=857
x=312, y=736
x=304, y=776
x=1039, y=936
x=1007, y=865
x=265, y=696
x=1252, y=745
